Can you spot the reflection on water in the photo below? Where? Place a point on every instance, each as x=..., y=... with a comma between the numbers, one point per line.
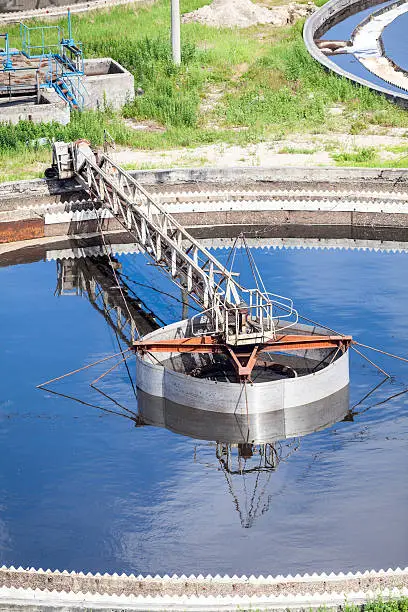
x=247, y=447
x=242, y=428
x=170, y=490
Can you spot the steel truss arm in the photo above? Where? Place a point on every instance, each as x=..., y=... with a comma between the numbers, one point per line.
x=173, y=248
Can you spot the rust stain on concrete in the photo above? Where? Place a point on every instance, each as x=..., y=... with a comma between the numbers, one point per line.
x=26, y=229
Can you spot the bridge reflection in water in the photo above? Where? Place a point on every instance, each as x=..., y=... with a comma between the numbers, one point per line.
x=247, y=447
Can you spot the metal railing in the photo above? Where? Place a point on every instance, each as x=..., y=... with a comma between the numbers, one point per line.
x=264, y=317
x=68, y=85
x=40, y=46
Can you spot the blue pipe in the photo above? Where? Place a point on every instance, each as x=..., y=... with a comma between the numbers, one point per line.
x=7, y=64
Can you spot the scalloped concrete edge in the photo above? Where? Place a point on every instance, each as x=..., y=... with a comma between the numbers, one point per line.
x=40, y=589
x=317, y=22
x=42, y=601
x=41, y=208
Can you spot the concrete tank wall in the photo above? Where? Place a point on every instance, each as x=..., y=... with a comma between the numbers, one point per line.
x=51, y=108
x=108, y=84
x=155, y=379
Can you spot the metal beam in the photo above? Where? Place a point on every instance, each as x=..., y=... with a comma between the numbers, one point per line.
x=211, y=344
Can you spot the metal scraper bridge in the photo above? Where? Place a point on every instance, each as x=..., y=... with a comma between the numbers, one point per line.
x=236, y=322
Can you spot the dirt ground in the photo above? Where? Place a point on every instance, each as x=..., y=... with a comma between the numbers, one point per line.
x=244, y=13
x=294, y=150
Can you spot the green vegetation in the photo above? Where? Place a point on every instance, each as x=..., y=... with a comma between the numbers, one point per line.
x=369, y=156
x=269, y=86
x=378, y=605
x=361, y=157
x=297, y=151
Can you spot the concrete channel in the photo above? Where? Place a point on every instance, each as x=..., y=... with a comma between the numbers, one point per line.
x=276, y=202
x=38, y=590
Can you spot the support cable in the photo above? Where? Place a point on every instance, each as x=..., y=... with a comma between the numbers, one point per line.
x=90, y=365
x=372, y=348
x=83, y=402
x=381, y=403
x=367, y=395
x=372, y=362
x=254, y=268
x=113, y=268
x=93, y=385
x=173, y=297
x=144, y=251
x=122, y=295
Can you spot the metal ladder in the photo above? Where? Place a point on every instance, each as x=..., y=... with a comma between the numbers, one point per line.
x=67, y=84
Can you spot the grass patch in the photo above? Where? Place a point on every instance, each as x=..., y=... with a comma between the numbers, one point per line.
x=378, y=605
x=24, y=164
x=402, y=162
x=365, y=156
x=397, y=149
x=297, y=151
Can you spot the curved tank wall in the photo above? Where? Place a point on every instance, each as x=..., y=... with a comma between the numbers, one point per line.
x=166, y=378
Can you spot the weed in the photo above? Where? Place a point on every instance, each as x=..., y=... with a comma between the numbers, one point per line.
x=363, y=156
x=357, y=127
x=397, y=149
x=297, y=151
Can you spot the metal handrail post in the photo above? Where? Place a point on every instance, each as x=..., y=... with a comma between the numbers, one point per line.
x=37, y=83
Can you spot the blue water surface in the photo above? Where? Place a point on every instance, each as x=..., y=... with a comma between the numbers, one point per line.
x=396, y=41
x=81, y=489
x=349, y=62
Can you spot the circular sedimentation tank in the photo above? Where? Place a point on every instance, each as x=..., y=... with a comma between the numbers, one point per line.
x=223, y=438
x=346, y=37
